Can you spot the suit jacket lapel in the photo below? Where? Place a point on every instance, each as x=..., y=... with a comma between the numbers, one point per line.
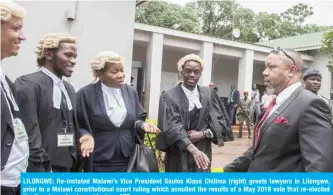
x=127, y=101
x=183, y=103
x=277, y=112
x=100, y=98
x=12, y=90
x=11, y=86
x=204, y=102
x=5, y=115
x=70, y=95
x=181, y=98
x=256, y=124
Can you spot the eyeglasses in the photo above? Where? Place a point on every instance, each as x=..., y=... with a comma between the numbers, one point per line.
x=278, y=49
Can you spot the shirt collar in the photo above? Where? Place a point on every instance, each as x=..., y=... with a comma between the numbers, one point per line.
x=51, y=75
x=109, y=90
x=287, y=92
x=2, y=74
x=187, y=91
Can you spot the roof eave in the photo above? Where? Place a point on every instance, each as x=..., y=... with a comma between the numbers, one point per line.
x=138, y=3
x=308, y=48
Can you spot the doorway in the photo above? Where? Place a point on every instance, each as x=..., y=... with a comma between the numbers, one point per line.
x=262, y=89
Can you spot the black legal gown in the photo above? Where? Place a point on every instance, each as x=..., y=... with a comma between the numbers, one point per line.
x=43, y=122
x=175, y=120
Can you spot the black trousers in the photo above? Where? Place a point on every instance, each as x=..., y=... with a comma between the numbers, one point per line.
x=232, y=112
x=10, y=191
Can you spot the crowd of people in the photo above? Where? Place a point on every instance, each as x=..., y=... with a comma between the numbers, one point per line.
x=46, y=126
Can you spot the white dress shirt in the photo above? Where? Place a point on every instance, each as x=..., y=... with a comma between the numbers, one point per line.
x=114, y=105
x=257, y=93
x=18, y=157
x=283, y=95
x=266, y=100
x=194, y=101
x=58, y=87
x=193, y=97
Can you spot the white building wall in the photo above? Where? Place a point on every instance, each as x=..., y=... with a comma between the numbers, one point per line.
x=169, y=80
x=320, y=63
x=206, y=53
x=224, y=75
x=100, y=25
x=245, y=72
x=153, y=75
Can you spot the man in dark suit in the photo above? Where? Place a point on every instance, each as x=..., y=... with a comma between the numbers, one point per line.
x=295, y=133
x=234, y=101
x=312, y=82
x=48, y=108
x=14, y=139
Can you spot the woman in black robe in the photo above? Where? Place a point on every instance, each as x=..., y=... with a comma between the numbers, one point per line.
x=110, y=111
x=190, y=119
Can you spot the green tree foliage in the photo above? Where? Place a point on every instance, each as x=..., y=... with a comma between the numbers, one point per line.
x=219, y=18
x=297, y=14
x=158, y=154
x=328, y=47
x=160, y=13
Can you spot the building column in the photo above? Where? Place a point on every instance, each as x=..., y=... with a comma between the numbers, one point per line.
x=245, y=72
x=206, y=53
x=154, y=71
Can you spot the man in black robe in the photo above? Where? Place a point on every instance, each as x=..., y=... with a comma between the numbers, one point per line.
x=189, y=119
x=49, y=108
x=14, y=139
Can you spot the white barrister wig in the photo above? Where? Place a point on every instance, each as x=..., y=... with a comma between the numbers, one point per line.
x=51, y=41
x=189, y=57
x=99, y=61
x=10, y=9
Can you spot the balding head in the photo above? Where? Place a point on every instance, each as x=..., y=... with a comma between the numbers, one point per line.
x=296, y=57
x=284, y=67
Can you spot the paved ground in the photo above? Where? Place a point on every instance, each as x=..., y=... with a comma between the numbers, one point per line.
x=231, y=150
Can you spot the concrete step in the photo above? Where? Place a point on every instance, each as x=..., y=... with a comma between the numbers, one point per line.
x=235, y=130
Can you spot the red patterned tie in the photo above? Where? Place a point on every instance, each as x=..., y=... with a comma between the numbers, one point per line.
x=269, y=108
